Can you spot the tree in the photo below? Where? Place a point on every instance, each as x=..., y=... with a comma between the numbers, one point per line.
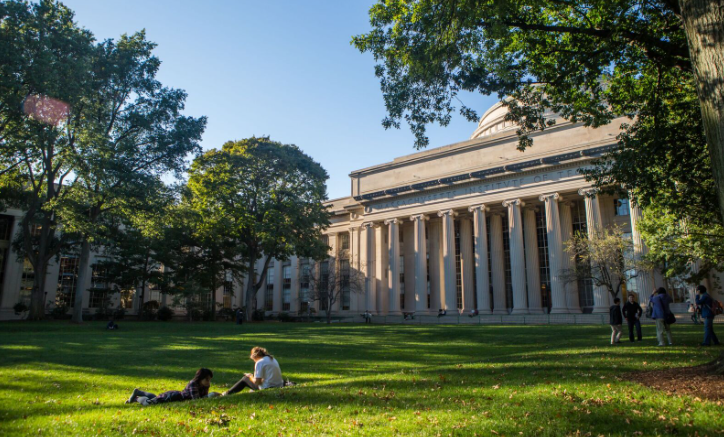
x=604, y=257
x=329, y=285
x=132, y=133
x=44, y=63
x=265, y=194
x=587, y=61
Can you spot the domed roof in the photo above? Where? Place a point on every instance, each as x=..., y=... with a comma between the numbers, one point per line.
x=493, y=121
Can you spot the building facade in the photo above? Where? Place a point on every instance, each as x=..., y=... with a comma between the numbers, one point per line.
x=472, y=226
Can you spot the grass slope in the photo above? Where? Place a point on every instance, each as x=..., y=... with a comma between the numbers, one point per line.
x=61, y=379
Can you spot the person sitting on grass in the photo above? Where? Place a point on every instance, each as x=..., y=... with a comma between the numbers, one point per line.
x=112, y=325
x=267, y=373
x=197, y=388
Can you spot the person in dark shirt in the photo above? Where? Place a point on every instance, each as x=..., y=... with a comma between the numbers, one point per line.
x=616, y=320
x=706, y=303
x=632, y=312
x=197, y=388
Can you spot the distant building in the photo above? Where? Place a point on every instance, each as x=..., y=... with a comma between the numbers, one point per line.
x=476, y=225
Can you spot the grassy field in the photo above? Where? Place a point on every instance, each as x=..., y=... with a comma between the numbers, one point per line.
x=61, y=379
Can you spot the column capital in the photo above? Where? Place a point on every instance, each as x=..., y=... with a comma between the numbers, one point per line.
x=568, y=203
x=532, y=208
x=513, y=202
x=550, y=196
x=481, y=207
x=393, y=221
x=355, y=228
x=416, y=217
x=331, y=234
x=367, y=225
x=446, y=212
x=588, y=192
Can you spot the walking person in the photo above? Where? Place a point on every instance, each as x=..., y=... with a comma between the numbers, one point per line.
x=706, y=303
x=267, y=373
x=660, y=303
x=632, y=312
x=615, y=320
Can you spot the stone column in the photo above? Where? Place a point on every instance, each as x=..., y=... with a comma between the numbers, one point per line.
x=532, y=263
x=381, y=267
x=408, y=269
x=435, y=267
x=333, y=264
x=497, y=263
x=482, y=279
x=449, y=291
x=644, y=278
x=420, y=262
x=555, y=252
x=393, y=281
x=294, y=291
x=367, y=265
x=517, y=256
x=571, y=288
x=354, y=269
x=467, y=263
x=593, y=224
x=278, y=278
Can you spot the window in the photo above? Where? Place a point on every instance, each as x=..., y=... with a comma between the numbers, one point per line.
x=540, y=217
x=99, y=297
x=304, y=296
x=67, y=277
x=323, y=290
x=343, y=240
x=228, y=292
x=585, y=286
x=344, y=283
x=621, y=207
x=286, y=288
x=458, y=270
x=127, y=299
x=26, y=281
x=269, y=290
x=507, y=264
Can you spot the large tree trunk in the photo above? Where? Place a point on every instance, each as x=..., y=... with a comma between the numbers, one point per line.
x=83, y=266
x=37, y=296
x=704, y=26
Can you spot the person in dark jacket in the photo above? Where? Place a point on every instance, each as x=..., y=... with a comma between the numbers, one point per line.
x=632, y=312
x=616, y=320
x=197, y=388
x=705, y=302
x=660, y=303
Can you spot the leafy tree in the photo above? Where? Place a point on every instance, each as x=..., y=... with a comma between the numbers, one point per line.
x=684, y=247
x=44, y=63
x=328, y=285
x=588, y=61
x=605, y=257
x=133, y=132
x=266, y=196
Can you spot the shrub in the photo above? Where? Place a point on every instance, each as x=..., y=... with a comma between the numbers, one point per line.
x=285, y=317
x=226, y=314
x=119, y=313
x=59, y=311
x=165, y=313
x=257, y=316
x=20, y=308
x=149, y=309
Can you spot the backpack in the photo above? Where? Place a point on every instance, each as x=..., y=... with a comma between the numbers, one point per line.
x=649, y=309
x=716, y=307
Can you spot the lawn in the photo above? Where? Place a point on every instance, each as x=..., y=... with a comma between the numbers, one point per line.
x=61, y=379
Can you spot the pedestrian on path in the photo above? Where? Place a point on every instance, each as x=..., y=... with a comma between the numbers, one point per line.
x=632, y=312
x=616, y=320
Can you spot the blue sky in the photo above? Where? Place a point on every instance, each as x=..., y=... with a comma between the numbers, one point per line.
x=280, y=68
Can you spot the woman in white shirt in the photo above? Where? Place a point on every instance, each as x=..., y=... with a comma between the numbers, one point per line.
x=267, y=373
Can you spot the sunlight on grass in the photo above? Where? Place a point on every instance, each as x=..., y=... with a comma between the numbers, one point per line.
x=62, y=379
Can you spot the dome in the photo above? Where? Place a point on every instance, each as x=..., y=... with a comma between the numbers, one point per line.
x=493, y=121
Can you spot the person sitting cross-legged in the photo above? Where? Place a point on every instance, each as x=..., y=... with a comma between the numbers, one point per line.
x=267, y=373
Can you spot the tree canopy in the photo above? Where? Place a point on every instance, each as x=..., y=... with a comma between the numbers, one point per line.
x=265, y=194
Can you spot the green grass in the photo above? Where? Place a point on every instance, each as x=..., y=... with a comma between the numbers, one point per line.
x=61, y=379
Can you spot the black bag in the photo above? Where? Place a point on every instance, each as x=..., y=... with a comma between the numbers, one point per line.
x=670, y=319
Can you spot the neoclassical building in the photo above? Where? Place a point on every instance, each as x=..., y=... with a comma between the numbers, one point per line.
x=475, y=225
